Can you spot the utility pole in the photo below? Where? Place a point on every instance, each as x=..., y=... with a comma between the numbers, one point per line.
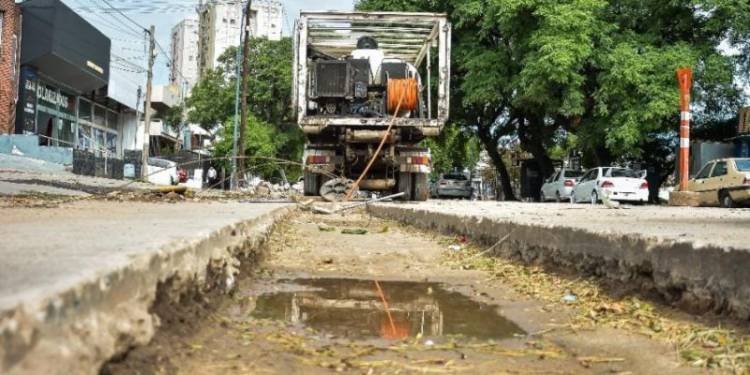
x=147, y=110
x=243, y=76
x=236, y=132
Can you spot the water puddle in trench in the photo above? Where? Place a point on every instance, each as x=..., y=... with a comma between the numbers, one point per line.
x=354, y=309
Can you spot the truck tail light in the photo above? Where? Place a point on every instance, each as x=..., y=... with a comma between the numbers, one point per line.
x=318, y=159
x=569, y=183
x=607, y=184
x=644, y=186
x=418, y=160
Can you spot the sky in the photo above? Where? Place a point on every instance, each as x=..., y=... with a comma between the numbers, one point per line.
x=129, y=44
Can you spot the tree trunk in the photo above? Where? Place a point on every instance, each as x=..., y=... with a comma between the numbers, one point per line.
x=531, y=136
x=490, y=145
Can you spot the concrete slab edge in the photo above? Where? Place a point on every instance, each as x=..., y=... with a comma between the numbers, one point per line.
x=695, y=277
x=76, y=331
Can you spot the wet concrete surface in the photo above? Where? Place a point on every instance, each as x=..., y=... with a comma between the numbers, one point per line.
x=315, y=307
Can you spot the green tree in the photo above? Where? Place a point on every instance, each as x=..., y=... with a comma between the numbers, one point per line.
x=212, y=103
x=602, y=70
x=454, y=149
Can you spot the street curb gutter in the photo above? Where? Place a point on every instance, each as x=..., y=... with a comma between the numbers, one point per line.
x=76, y=331
x=695, y=277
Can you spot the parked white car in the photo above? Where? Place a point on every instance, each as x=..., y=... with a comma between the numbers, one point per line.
x=619, y=184
x=560, y=185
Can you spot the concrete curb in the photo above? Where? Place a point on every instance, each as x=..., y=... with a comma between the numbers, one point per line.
x=76, y=331
x=695, y=277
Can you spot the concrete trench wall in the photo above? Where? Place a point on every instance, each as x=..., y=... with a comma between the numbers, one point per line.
x=695, y=277
x=79, y=330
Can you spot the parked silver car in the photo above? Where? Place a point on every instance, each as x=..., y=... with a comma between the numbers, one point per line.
x=454, y=185
x=560, y=185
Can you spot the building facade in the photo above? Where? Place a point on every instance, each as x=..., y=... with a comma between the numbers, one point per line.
x=64, y=84
x=10, y=34
x=220, y=27
x=184, y=68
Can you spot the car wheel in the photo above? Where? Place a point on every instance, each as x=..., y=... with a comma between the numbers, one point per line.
x=542, y=198
x=558, y=199
x=594, y=198
x=726, y=200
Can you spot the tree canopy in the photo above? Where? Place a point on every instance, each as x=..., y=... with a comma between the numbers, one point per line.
x=271, y=130
x=602, y=71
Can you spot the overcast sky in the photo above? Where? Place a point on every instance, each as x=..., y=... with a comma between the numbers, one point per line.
x=127, y=43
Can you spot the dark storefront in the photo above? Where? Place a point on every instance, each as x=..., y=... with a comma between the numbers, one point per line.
x=65, y=65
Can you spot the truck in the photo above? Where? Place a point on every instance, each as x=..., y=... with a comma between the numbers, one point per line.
x=368, y=87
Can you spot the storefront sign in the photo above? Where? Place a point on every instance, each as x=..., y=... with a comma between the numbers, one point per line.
x=51, y=96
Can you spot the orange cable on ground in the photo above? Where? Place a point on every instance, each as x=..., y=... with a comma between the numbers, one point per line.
x=377, y=152
x=385, y=305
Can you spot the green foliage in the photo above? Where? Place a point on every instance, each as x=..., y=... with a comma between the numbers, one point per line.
x=262, y=143
x=211, y=101
x=454, y=149
x=271, y=130
x=269, y=79
x=600, y=70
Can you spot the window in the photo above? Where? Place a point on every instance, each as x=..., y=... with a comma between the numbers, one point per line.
x=554, y=177
x=589, y=175
x=112, y=120
x=704, y=173
x=621, y=172
x=720, y=169
x=743, y=165
x=84, y=110
x=573, y=174
x=457, y=177
x=100, y=116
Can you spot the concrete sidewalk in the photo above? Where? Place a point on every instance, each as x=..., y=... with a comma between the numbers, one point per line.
x=20, y=174
x=695, y=258
x=76, y=282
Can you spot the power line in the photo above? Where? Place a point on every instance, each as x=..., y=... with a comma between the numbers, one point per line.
x=125, y=15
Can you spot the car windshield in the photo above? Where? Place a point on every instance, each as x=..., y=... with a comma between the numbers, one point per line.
x=573, y=174
x=458, y=177
x=621, y=172
x=743, y=165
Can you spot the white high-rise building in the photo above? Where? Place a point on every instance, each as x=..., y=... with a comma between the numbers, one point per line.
x=184, y=67
x=220, y=26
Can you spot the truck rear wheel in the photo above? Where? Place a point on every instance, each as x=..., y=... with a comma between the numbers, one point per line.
x=415, y=186
x=312, y=184
x=421, y=187
x=404, y=185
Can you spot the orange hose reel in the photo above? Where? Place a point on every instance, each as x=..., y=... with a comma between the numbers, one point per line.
x=405, y=88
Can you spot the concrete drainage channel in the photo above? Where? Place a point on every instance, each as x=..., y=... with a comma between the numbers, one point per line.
x=212, y=306
x=695, y=277
x=77, y=331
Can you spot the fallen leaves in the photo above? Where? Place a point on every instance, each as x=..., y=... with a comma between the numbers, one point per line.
x=699, y=344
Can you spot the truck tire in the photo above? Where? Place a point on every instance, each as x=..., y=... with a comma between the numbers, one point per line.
x=405, y=185
x=421, y=187
x=415, y=185
x=311, y=185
